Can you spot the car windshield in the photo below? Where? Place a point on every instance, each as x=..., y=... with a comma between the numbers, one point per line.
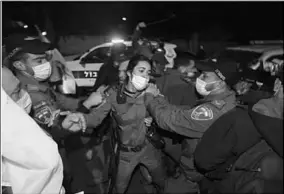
x=103, y=53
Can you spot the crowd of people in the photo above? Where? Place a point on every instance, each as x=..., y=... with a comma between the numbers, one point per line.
x=191, y=126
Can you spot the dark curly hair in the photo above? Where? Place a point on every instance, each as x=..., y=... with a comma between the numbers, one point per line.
x=135, y=60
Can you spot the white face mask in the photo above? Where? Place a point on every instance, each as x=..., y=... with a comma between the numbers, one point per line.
x=139, y=82
x=42, y=72
x=25, y=102
x=200, y=86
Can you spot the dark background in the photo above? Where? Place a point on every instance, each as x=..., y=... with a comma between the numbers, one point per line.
x=242, y=20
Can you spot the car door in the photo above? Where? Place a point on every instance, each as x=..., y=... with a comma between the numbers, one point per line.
x=91, y=64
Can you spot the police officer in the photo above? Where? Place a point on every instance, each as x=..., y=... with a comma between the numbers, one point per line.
x=27, y=59
x=232, y=155
x=214, y=85
x=127, y=105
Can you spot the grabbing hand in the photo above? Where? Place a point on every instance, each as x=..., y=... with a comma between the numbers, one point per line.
x=53, y=116
x=94, y=99
x=148, y=121
x=152, y=88
x=74, y=122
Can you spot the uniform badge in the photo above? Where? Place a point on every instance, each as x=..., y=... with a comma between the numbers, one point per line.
x=43, y=115
x=202, y=113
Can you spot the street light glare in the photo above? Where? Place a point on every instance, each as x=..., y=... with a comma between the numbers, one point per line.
x=25, y=26
x=44, y=33
x=124, y=18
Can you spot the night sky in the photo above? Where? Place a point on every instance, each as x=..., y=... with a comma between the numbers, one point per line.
x=242, y=19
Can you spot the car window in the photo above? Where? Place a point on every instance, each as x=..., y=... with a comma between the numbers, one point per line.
x=98, y=55
x=242, y=57
x=101, y=54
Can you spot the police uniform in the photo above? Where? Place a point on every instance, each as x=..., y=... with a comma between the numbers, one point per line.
x=45, y=101
x=191, y=122
x=135, y=149
x=194, y=122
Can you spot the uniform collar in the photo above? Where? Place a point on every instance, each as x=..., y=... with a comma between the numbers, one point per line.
x=132, y=94
x=25, y=81
x=227, y=96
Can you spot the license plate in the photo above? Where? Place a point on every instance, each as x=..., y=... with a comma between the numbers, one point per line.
x=85, y=74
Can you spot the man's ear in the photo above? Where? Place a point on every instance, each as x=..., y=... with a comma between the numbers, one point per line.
x=19, y=65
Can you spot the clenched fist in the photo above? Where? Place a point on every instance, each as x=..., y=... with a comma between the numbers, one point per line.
x=141, y=25
x=74, y=122
x=94, y=99
x=148, y=121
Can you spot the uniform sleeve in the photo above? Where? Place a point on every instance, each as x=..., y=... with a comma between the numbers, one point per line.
x=188, y=122
x=42, y=111
x=42, y=108
x=66, y=102
x=98, y=114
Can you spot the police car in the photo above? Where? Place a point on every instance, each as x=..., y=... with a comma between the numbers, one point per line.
x=85, y=67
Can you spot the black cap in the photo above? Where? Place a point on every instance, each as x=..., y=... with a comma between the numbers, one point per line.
x=226, y=70
x=19, y=42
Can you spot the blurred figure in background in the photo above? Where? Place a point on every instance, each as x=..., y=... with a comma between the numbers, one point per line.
x=108, y=73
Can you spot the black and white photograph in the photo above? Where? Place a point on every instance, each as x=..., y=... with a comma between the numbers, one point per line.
x=134, y=97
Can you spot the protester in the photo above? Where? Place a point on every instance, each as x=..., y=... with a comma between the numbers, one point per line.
x=31, y=162
x=122, y=71
x=127, y=105
x=108, y=73
x=178, y=92
x=172, y=85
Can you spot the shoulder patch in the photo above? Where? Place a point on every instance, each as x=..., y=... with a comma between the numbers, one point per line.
x=218, y=103
x=40, y=104
x=43, y=115
x=202, y=113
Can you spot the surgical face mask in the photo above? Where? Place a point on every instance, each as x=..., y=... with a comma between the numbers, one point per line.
x=200, y=86
x=42, y=72
x=25, y=101
x=139, y=82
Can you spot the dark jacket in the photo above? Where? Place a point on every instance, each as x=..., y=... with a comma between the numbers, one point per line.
x=107, y=75
x=226, y=139
x=177, y=91
x=269, y=126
